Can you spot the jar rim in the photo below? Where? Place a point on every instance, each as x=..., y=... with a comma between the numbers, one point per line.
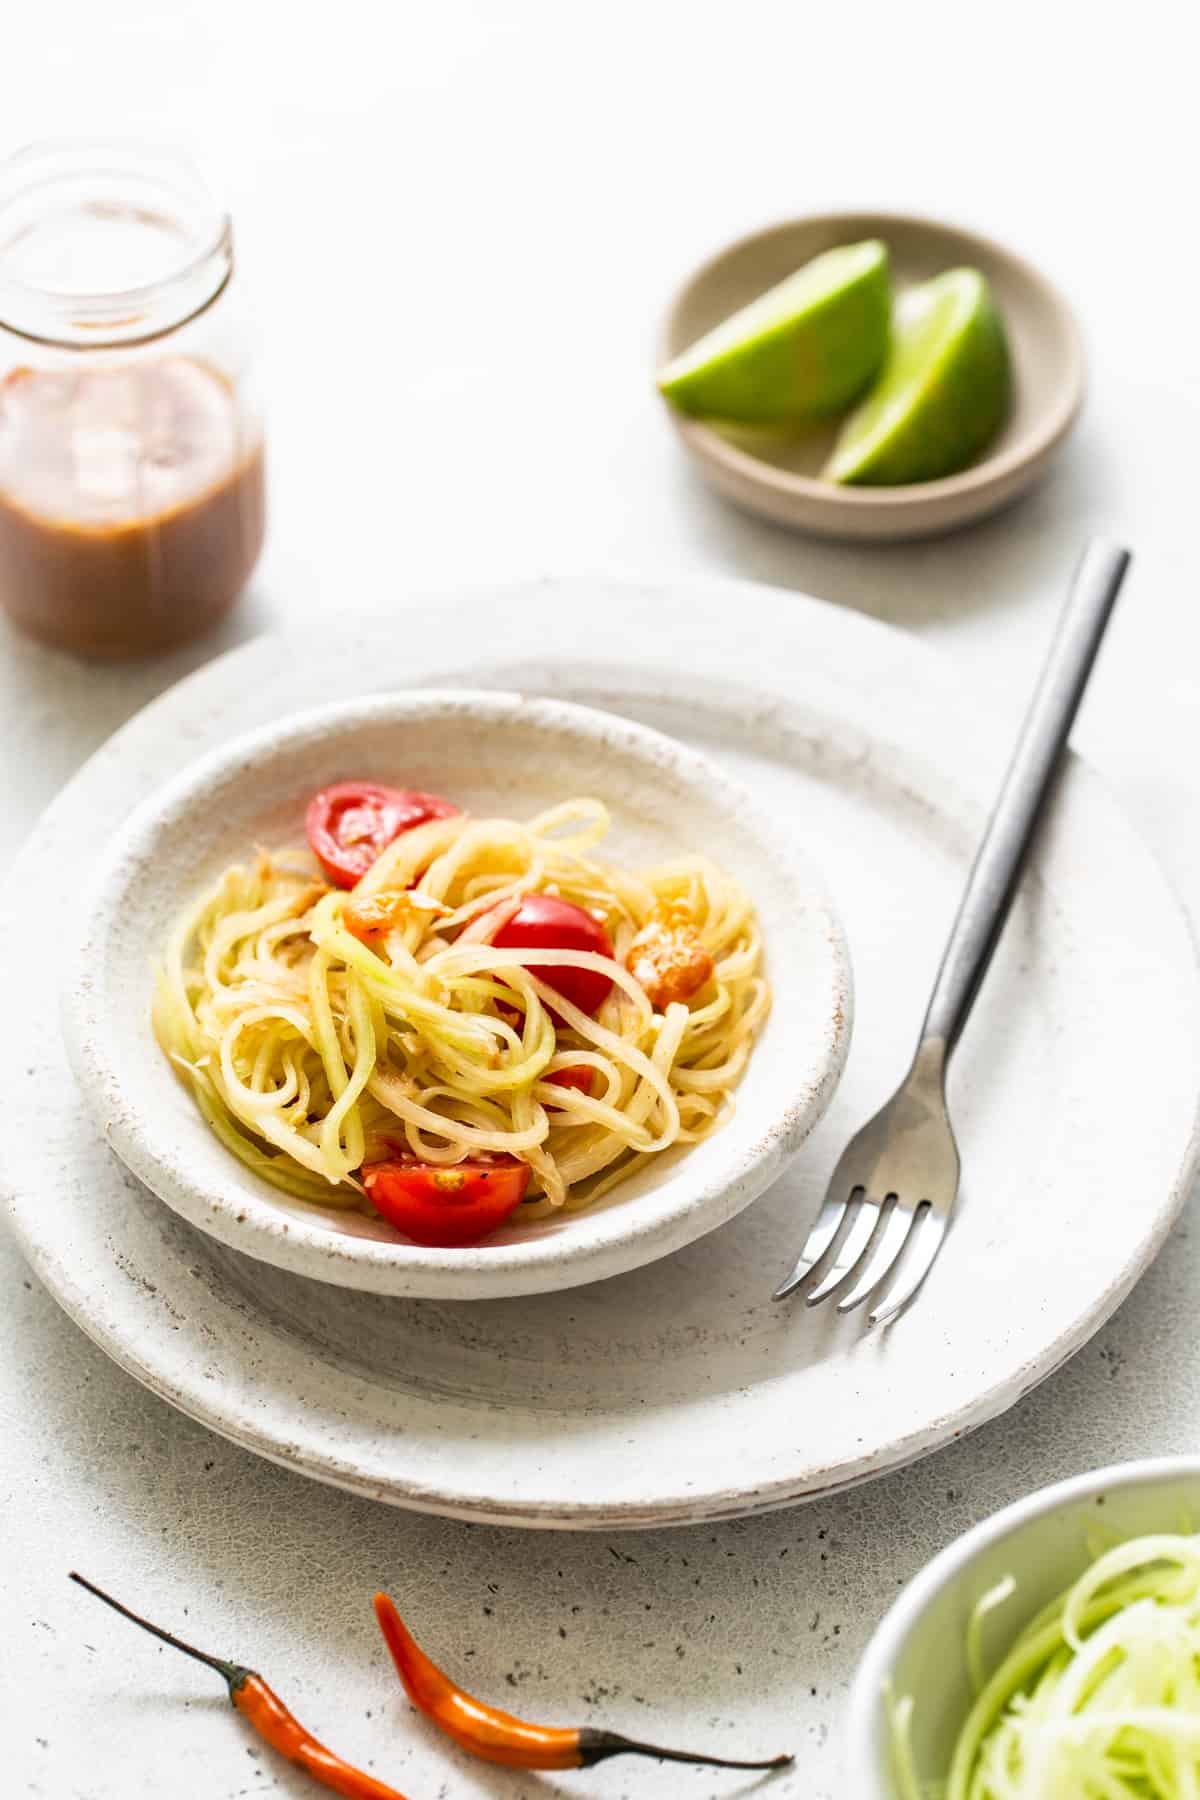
x=112, y=313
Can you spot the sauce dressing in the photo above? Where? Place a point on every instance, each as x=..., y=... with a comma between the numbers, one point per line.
x=131, y=503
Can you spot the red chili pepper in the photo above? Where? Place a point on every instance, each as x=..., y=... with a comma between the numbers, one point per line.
x=269, y=1716
x=496, y=1736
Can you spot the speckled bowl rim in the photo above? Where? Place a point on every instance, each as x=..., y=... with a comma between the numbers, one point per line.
x=244, y=1216
x=989, y=471
x=869, y=1779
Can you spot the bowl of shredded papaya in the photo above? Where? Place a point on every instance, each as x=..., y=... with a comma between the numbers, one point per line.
x=455, y=993
x=1048, y=1654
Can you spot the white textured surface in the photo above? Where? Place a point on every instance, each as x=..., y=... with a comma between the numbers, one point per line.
x=519, y=192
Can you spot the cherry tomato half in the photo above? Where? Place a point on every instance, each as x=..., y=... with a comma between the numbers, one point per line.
x=350, y=823
x=446, y=1206
x=543, y=922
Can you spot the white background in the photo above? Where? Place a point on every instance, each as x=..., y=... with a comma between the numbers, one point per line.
x=461, y=223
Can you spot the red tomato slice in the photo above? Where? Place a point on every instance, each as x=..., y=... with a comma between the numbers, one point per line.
x=580, y=1078
x=543, y=922
x=447, y=1206
x=350, y=823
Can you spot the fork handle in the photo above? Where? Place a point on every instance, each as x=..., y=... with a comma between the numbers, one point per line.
x=1000, y=859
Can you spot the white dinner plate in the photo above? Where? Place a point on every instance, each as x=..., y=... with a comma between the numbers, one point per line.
x=677, y=1392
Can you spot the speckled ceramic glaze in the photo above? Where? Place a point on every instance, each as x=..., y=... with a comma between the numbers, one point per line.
x=496, y=755
x=677, y=1392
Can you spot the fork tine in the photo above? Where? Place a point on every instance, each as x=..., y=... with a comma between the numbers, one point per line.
x=880, y=1264
x=823, y=1238
x=920, y=1254
x=858, y=1242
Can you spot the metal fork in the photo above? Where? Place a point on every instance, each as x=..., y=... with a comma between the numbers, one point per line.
x=888, y=1206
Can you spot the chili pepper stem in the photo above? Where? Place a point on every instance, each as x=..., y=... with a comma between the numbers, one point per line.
x=233, y=1673
x=596, y=1746
x=499, y=1737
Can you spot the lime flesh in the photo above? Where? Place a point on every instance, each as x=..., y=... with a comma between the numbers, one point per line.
x=805, y=348
x=942, y=394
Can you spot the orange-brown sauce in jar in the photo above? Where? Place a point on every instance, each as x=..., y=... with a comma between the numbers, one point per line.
x=131, y=503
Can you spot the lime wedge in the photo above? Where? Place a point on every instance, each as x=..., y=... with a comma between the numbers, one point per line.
x=943, y=391
x=806, y=347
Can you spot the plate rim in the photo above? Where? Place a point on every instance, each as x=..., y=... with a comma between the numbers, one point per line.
x=709, y=1504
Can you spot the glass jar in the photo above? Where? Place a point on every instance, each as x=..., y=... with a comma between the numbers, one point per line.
x=131, y=451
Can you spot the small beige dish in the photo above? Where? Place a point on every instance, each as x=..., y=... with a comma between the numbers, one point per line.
x=776, y=476
x=493, y=754
x=1042, y=1541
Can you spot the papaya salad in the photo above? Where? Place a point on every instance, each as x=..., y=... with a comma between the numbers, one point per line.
x=443, y=1019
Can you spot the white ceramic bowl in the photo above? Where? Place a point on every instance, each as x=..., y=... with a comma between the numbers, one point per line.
x=1043, y=1542
x=493, y=753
